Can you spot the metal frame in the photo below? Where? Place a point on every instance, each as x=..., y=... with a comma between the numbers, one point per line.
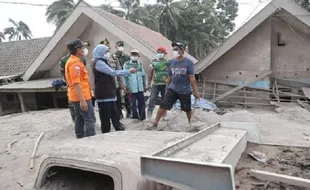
x=184, y=174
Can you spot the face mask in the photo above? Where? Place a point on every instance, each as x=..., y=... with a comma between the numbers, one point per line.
x=85, y=51
x=134, y=58
x=160, y=55
x=120, y=48
x=175, y=54
x=107, y=55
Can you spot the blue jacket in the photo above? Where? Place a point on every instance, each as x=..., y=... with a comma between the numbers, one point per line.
x=135, y=82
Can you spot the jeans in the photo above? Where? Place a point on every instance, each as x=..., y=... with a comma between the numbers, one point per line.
x=156, y=89
x=72, y=112
x=107, y=112
x=84, y=121
x=127, y=104
x=138, y=97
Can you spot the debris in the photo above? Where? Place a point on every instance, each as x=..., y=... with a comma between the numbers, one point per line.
x=260, y=77
x=9, y=146
x=306, y=138
x=201, y=103
x=290, y=180
x=20, y=183
x=35, y=150
x=261, y=157
x=304, y=105
x=266, y=185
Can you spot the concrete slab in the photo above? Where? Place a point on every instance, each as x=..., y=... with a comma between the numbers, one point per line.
x=116, y=154
x=206, y=156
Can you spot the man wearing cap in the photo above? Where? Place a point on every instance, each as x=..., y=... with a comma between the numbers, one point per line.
x=105, y=88
x=122, y=59
x=79, y=90
x=157, y=78
x=181, y=84
x=135, y=84
x=62, y=64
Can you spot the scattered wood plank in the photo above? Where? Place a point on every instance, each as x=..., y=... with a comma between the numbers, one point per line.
x=277, y=90
x=290, y=180
x=260, y=77
x=35, y=151
x=304, y=105
x=306, y=92
x=292, y=83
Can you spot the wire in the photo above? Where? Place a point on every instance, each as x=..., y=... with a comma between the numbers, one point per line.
x=46, y=5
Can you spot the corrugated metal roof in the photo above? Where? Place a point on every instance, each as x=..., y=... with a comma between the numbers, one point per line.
x=17, y=56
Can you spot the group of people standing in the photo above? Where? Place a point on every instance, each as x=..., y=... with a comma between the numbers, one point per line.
x=117, y=73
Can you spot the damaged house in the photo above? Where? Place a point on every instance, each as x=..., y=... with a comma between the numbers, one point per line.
x=267, y=59
x=90, y=24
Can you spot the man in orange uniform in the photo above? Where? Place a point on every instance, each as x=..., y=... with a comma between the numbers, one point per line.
x=79, y=90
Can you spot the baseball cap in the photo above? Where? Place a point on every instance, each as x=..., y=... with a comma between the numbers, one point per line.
x=120, y=43
x=178, y=44
x=162, y=49
x=75, y=44
x=135, y=51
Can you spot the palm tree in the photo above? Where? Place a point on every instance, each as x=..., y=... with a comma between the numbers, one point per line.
x=2, y=37
x=129, y=6
x=59, y=11
x=109, y=8
x=169, y=15
x=18, y=30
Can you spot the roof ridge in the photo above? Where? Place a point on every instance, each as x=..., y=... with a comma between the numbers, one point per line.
x=120, y=27
x=24, y=40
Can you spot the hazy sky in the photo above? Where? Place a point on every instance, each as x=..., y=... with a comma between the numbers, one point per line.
x=34, y=16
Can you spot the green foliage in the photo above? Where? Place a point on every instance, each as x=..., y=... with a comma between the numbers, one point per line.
x=201, y=24
x=18, y=31
x=304, y=3
x=59, y=11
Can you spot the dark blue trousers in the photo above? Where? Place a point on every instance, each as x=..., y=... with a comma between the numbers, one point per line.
x=138, y=112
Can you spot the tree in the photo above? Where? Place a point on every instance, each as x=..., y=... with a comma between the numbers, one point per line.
x=169, y=16
x=2, y=37
x=304, y=3
x=206, y=24
x=59, y=11
x=129, y=6
x=109, y=8
x=18, y=31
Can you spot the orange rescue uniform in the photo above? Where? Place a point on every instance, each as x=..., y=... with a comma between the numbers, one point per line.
x=76, y=73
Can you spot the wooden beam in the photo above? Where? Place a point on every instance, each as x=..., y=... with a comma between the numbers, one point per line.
x=260, y=77
x=277, y=90
x=54, y=96
x=306, y=92
x=1, y=108
x=21, y=101
x=33, y=90
x=289, y=180
x=292, y=83
x=304, y=105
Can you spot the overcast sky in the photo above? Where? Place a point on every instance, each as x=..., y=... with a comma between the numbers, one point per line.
x=34, y=16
